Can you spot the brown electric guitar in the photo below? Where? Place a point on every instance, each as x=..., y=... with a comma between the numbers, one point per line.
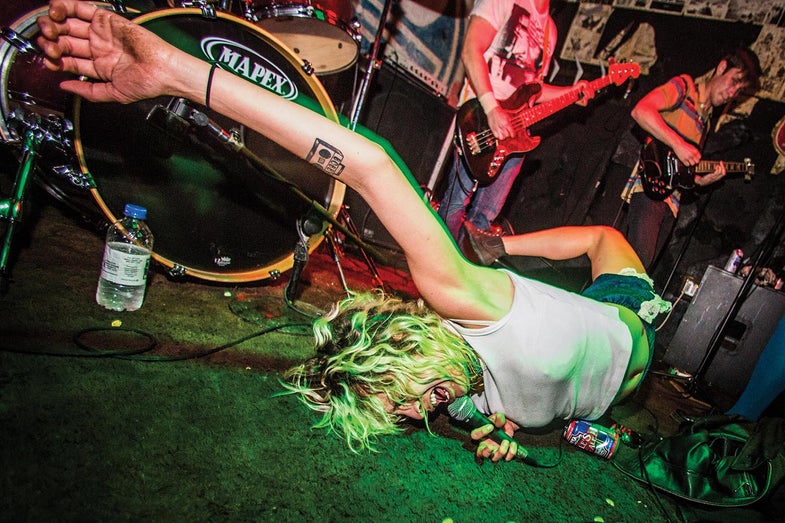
x=484, y=155
x=662, y=172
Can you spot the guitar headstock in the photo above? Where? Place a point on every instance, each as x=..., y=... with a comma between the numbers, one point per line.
x=749, y=170
x=620, y=72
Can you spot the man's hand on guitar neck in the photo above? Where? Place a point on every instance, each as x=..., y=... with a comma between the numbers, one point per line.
x=549, y=92
x=708, y=179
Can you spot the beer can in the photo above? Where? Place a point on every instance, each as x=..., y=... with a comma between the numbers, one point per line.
x=734, y=262
x=592, y=438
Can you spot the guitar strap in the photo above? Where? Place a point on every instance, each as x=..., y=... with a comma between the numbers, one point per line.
x=545, y=56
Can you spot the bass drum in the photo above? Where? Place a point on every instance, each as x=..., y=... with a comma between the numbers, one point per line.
x=213, y=214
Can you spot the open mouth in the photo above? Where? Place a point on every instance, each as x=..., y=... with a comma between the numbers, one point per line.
x=440, y=395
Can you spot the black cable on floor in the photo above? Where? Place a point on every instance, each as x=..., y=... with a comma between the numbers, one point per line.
x=136, y=354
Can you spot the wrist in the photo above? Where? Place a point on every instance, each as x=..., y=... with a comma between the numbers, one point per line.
x=488, y=102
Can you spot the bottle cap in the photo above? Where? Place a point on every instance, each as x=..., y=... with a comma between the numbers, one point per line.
x=135, y=211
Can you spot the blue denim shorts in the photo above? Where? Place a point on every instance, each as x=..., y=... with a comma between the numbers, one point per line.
x=633, y=290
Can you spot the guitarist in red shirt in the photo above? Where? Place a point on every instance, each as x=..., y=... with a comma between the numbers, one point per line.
x=509, y=44
x=677, y=115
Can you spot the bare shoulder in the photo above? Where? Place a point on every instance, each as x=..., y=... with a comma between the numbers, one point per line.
x=479, y=293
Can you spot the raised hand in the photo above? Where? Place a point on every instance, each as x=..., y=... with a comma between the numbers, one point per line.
x=128, y=62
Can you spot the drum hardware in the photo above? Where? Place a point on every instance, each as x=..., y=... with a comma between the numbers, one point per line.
x=37, y=132
x=308, y=67
x=176, y=271
x=74, y=177
x=118, y=6
x=335, y=250
x=306, y=226
x=21, y=43
x=373, y=65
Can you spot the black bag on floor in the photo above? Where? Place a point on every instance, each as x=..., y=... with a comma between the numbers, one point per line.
x=723, y=461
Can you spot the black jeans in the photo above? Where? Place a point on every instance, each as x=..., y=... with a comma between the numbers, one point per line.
x=649, y=226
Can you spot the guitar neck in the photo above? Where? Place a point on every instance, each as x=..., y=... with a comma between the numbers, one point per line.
x=708, y=166
x=532, y=115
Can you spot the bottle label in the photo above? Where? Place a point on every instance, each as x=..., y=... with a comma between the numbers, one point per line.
x=125, y=264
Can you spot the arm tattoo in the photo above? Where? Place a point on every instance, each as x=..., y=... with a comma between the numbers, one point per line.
x=325, y=157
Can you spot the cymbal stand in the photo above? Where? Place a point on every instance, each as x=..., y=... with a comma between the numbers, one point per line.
x=36, y=133
x=335, y=250
x=357, y=106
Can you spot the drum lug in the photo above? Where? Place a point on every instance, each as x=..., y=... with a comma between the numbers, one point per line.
x=208, y=10
x=118, y=6
x=18, y=41
x=275, y=274
x=307, y=67
x=355, y=26
x=177, y=271
x=77, y=178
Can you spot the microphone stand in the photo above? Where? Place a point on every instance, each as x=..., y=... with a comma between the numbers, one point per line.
x=232, y=142
x=373, y=65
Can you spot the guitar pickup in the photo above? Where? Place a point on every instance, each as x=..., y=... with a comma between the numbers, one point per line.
x=478, y=146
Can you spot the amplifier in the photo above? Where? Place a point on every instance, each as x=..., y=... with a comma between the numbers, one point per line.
x=742, y=339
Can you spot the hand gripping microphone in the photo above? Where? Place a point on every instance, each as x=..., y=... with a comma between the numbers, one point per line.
x=462, y=409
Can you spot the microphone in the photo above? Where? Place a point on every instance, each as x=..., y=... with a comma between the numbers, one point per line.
x=306, y=226
x=463, y=409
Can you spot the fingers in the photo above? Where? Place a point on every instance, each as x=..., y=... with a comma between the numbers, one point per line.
x=489, y=449
x=61, y=34
x=482, y=432
x=500, y=124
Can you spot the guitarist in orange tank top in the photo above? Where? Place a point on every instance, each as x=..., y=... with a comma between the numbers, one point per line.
x=676, y=116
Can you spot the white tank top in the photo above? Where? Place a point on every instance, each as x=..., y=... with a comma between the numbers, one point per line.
x=554, y=355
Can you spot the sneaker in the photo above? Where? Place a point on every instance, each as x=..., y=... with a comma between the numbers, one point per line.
x=488, y=247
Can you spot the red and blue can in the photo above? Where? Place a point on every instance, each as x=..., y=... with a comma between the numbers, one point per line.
x=594, y=439
x=734, y=262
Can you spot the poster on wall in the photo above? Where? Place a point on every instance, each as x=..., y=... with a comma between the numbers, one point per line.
x=707, y=8
x=423, y=37
x=631, y=4
x=585, y=32
x=770, y=48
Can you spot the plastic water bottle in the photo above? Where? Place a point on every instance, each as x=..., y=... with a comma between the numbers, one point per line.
x=129, y=244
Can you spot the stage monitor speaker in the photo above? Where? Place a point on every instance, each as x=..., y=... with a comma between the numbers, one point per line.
x=416, y=121
x=742, y=340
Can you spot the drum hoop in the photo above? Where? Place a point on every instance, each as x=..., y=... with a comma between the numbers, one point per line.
x=293, y=10
x=338, y=188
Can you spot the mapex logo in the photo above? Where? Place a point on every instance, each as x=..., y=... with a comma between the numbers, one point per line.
x=249, y=64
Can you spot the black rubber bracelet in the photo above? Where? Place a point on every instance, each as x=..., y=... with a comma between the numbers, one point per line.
x=209, y=85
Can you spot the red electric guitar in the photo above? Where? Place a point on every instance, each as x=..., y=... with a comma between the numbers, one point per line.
x=484, y=155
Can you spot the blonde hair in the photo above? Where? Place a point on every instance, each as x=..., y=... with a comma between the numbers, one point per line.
x=371, y=344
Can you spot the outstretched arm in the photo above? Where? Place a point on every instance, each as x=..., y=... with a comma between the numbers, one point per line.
x=130, y=63
x=606, y=247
